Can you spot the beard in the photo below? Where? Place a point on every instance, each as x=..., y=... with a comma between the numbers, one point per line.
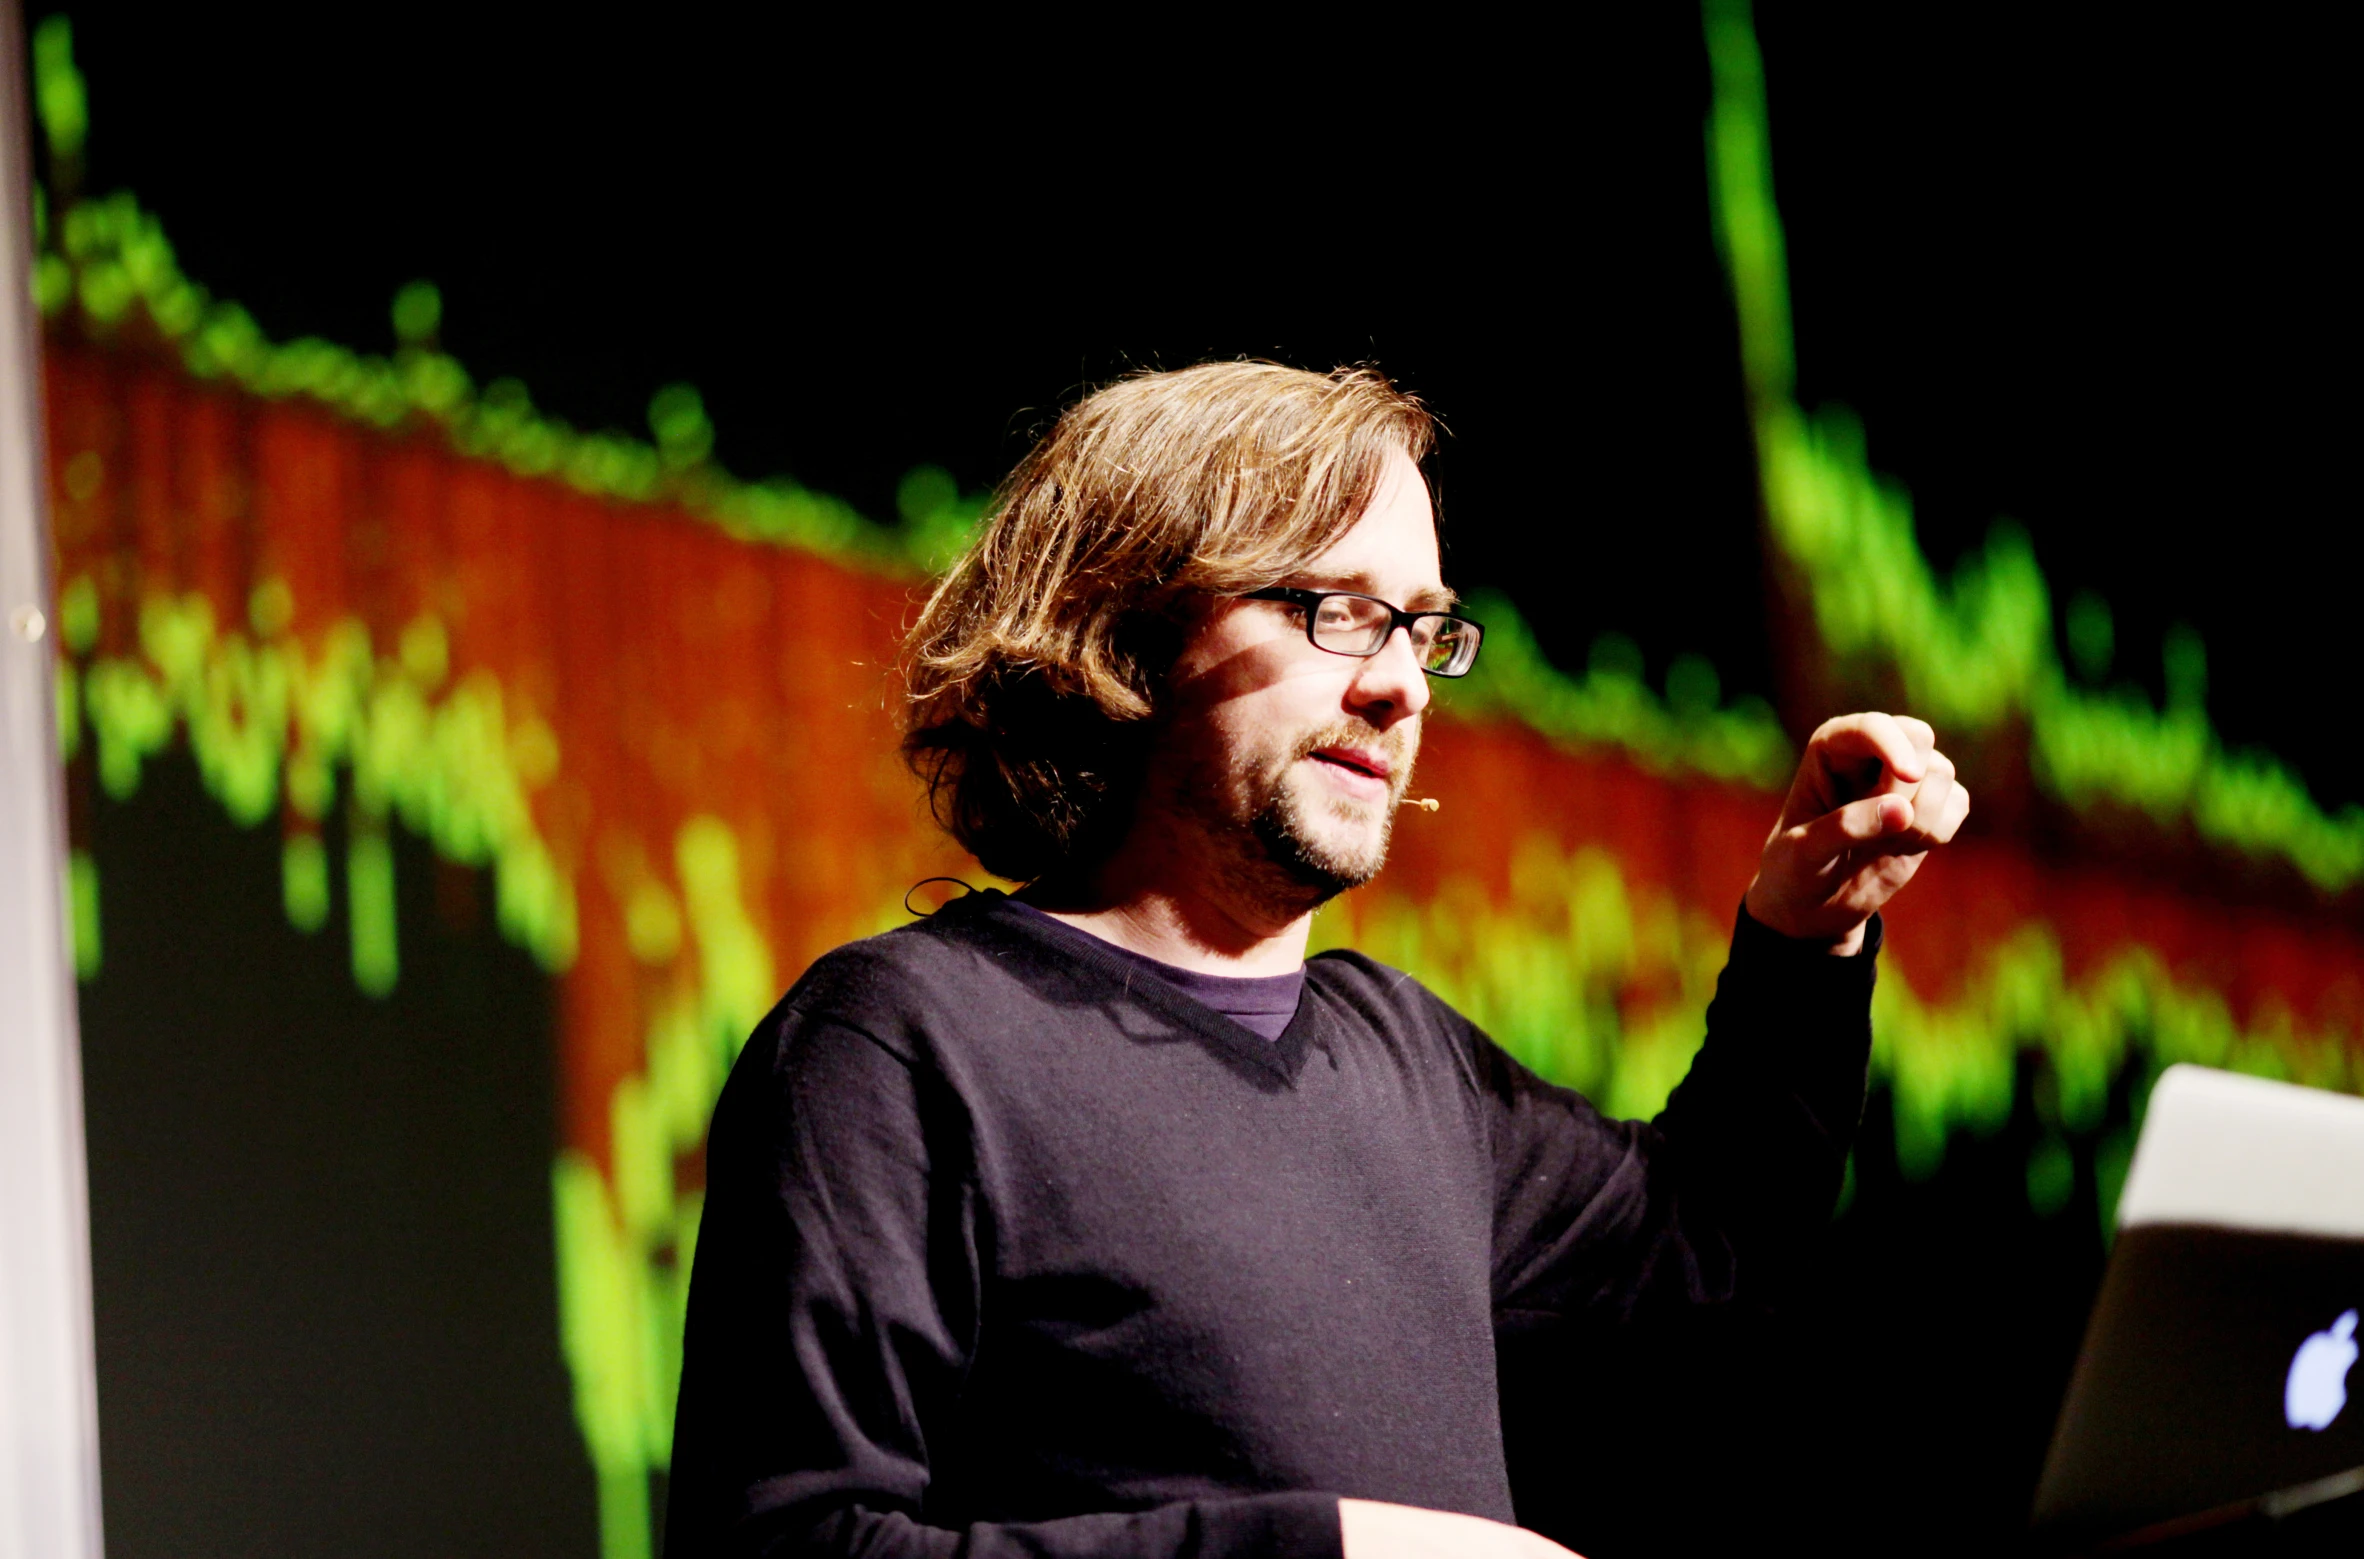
x=1287, y=839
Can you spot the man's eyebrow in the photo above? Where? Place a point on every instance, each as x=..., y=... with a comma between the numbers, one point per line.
x=1428, y=598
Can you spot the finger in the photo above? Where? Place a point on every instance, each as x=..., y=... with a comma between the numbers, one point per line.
x=1949, y=816
x=1930, y=799
x=1922, y=735
x=1940, y=803
x=1845, y=742
x=1851, y=827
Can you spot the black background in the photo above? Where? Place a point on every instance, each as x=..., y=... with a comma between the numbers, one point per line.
x=2069, y=268
x=2072, y=267
x=321, y=1236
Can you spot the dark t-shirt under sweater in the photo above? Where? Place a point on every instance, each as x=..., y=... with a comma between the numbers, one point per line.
x=1007, y=1251
x=1263, y=1002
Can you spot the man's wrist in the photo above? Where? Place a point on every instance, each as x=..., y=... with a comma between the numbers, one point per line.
x=1771, y=940
x=1845, y=944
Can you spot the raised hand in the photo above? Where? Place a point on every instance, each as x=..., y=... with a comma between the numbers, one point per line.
x=1872, y=796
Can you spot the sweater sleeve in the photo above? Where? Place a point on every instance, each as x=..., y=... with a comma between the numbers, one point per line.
x=833, y=1310
x=1710, y=1202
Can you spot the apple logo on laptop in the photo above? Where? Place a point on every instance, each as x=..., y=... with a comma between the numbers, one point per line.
x=2318, y=1384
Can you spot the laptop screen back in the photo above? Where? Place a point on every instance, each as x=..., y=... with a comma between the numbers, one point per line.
x=2216, y=1368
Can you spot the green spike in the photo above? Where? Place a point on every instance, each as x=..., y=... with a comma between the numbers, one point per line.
x=303, y=881
x=82, y=897
x=418, y=313
x=370, y=912
x=60, y=99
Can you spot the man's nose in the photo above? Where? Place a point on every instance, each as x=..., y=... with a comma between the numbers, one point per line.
x=1390, y=685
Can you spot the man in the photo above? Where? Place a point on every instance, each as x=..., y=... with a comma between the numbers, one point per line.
x=1100, y=1221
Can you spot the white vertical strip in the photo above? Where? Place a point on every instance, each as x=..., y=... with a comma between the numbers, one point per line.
x=49, y=1501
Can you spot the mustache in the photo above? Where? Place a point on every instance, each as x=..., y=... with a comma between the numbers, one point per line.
x=1394, y=744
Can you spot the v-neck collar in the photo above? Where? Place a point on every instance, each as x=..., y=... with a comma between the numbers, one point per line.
x=991, y=910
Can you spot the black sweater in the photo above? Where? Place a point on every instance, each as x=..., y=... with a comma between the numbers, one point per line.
x=1008, y=1250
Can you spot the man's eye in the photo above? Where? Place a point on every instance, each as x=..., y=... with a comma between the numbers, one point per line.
x=1336, y=614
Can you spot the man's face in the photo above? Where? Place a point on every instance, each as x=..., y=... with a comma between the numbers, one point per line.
x=1288, y=758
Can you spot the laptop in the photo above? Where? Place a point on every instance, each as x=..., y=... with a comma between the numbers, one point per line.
x=2216, y=1392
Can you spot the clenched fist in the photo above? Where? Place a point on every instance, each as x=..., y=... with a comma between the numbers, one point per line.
x=1872, y=795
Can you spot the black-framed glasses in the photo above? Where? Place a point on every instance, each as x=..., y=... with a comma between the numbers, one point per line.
x=1345, y=623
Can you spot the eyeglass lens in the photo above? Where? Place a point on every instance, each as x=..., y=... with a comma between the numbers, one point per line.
x=1351, y=625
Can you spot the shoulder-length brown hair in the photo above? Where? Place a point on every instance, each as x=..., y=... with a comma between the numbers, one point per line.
x=1036, y=665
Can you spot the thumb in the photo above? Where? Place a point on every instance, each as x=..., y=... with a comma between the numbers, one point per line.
x=1858, y=822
